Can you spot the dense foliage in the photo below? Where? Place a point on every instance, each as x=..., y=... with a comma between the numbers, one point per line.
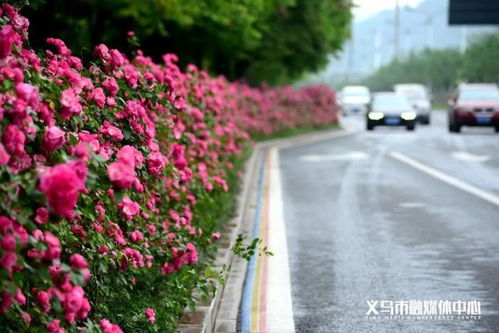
x=259, y=40
x=438, y=69
x=114, y=178
x=442, y=70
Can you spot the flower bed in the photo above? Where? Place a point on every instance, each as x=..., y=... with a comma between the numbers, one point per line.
x=114, y=179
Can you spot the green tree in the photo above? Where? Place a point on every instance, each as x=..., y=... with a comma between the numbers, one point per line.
x=481, y=60
x=257, y=40
x=438, y=69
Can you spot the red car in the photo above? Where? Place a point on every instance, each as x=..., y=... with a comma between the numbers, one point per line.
x=474, y=104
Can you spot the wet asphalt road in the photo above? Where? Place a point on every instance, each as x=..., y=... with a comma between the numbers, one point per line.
x=373, y=228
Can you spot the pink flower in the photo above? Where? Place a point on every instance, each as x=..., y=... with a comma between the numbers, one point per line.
x=134, y=109
x=4, y=156
x=42, y=215
x=156, y=162
x=7, y=38
x=54, y=326
x=73, y=300
x=61, y=186
x=70, y=102
x=20, y=298
x=43, y=299
x=121, y=174
x=78, y=261
x=8, y=242
x=130, y=155
x=102, y=52
x=111, y=85
x=60, y=45
x=97, y=95
x=107, y=327
x=178, y=156
x=26, y=317
x=193, y=254
x=8, y=261
x=28, y=93
x=136, y=236
x=216, y=236
x=53, y=139
x=129, y=208
x=113, y=131
x=151, y=315
x=14, y=139
x=53, y=250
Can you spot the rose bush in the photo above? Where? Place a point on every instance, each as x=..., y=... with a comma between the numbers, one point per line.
x=114, y=179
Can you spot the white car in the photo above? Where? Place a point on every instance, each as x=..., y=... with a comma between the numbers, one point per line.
x=355, y=99
x=418, y=96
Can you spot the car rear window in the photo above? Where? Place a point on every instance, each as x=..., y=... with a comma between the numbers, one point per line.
x=479, y=95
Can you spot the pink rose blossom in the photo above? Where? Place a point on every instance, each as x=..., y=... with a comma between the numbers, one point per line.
x=42, y=215
x=78, y=261
x=113, y=131
x=111, y=85
x=156, y=162
x=151, y=315
x=97, y=95
x=4, y=156
x=28, y=93
x=70, y=102
x=61, y=186
x=53, y=139
x=13, y=140
x=54, y=326
x=7, y=39
x=107, y=327
x=129, y=208
x=121, y=174
x=8, y=242
x=130, y=155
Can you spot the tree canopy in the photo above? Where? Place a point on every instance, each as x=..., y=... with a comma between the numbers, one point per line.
x=258, y=40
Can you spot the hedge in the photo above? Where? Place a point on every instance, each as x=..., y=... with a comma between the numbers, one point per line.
x=114, y=180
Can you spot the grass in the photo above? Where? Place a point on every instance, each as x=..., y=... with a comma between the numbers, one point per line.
x=288, y=132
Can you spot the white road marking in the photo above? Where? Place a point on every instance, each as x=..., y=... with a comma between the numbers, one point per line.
x=280, y=307
x=465, y=156
x=411, y=204
x=485, y=195
x=349, y=156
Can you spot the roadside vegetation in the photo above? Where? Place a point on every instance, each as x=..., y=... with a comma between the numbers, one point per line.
x=116, y=176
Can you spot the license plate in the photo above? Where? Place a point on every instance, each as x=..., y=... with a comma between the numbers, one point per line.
x=484, y=120
x=392, y=121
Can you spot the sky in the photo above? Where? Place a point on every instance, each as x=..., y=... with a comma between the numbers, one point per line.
x=366, y=8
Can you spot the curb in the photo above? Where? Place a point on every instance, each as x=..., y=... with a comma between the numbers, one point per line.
x=220, y=314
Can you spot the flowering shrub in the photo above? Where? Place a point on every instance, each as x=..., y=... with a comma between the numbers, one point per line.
x=113, y=178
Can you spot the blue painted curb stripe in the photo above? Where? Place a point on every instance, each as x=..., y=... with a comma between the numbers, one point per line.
x=250, y=274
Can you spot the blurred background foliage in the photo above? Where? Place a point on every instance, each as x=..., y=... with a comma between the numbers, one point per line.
x=442, y=70
x=275, y=41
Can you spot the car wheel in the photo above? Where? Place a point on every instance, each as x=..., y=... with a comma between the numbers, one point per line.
x=496, y=128
x=426, y=120
x=369, y=127
x=411, y=127
x=454, y=128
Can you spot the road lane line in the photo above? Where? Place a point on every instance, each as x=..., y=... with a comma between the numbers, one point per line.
x=485, y=195
x=348, y=156
x=280, y=307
